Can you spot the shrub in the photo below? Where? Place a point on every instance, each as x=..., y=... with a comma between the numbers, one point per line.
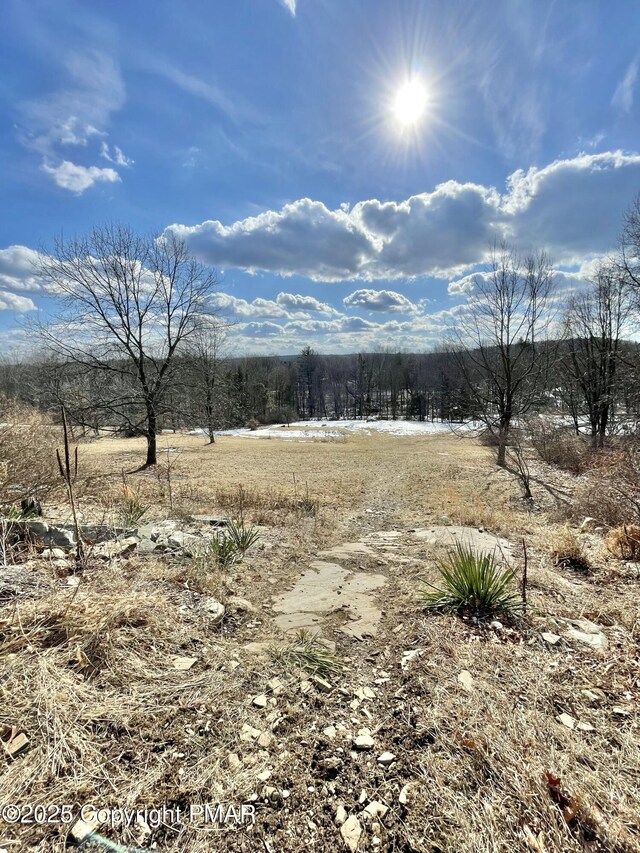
x=557, y=444
x=567, y=553
x=611, y=490
x=474, y=584
x=28, y=442
x=252, y=424
x=624, y=542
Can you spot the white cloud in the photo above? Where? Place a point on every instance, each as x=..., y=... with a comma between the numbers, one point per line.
x=228, y=304
x=290, y=5
x=76, y=178
x=118, y=157
x=623, y=96
x=573, y=208
x=304, y=303
x=380, y=300
x=76, y=115
x=18, y=270
x=13, y=302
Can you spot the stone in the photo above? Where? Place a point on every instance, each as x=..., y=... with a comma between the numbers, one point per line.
x=340, y=815
x=321, y=683
x=264, y=776
x=213, y=609
x=16, y=743
x=265, y=740
x=233, y=761
x=550, y=638
x=363, y=742
x=212, y=520
x=386, y=758
x=480, y=541
x=588, y=524
x=594, y=696
x=566, y=720
x=376, y=809
x=241, y=605
x=330, y=732
x=184, y=663
x=182, y=541
x=116, y=548
x=260, y=701
x=83, y=829
x=598, y=642
x=466, y=680
x=403, y=796
x=586, y=727
x=351, y=832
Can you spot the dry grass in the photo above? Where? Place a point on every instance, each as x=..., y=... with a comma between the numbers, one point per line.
x=624, y=542
x=87, y=673
x=568, y=552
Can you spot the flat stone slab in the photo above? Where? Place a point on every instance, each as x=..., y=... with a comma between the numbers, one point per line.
x=349, y=551
x=325, y=588
x=481, y=541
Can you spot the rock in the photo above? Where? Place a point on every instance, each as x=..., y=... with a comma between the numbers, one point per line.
x=588, y=523
x=265, y=740
x=408, y=656
x=264, y=776
x=586, y=633
x=82, y=830
x=212, y=520
x=260, y=701
x=330, y=732
x=249, y=733
x=363, y=742
x=184, y=663
x=566, y=720
x=241, y=605
x=331, y=763
x=183, y=541
x=550, y=638
x=620, y=712
x=351, y=832
x=321, y=683
x=386, y=758
x=14, y=741
x=213, y=608
x=233, y=761
x=466, y=680
x=376, y=809
x=116, y=548
x=53, y=554
x=594, y=696
x=403, y=796
x=31, y=506
x=586, y=727
x=340, y=815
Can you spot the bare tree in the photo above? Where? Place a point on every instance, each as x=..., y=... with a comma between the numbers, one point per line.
x=595, y=323
x=130, y=302
x=630, y=247
x=206, y=352
x=497, y=340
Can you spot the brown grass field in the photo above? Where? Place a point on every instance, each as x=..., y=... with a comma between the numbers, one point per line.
x=481, y=765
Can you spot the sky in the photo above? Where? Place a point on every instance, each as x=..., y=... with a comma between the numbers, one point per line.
x=344, y=165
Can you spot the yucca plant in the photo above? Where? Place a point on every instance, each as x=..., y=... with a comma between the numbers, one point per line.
x=132, y=511
x=223, y=550
x=242, y=537
x=307, y=652
x=475, y=584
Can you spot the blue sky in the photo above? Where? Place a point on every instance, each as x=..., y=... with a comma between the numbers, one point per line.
x=264, y=132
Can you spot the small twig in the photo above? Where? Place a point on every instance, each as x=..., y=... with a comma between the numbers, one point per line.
x=524, y=574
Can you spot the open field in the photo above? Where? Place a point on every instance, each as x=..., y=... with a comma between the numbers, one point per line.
x=496, y=738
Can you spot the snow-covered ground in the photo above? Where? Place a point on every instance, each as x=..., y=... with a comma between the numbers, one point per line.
x=307, y=430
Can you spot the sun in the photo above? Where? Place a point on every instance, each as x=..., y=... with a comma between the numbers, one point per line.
x=410, y=103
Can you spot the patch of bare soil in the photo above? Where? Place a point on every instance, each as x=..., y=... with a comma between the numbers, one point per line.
x=436, y=734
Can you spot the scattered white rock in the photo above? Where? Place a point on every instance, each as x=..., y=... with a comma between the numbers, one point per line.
x=184, y=663
x=340, y=815
x=566, y=720
x=550, y=638
x=386, y=758
x=376, y=809
x=351, y=832
x=466, y=680
x=233, y=761
x=586, y=727
x=330, y=732
x=260, y=701
x=407, y=657
x=403, y=797
x=264, y=776
x=363, y=742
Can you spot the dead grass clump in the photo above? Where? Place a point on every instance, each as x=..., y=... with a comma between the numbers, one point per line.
x=309, y=653
x=28, y=442
x=624, y=542
x=567, y=552
x=240, y=501
x=611, y=491
x=558, y=445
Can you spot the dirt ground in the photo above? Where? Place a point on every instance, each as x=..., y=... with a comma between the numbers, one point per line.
x=500, y=740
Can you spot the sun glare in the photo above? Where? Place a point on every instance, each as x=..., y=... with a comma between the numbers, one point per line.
x=410, y=103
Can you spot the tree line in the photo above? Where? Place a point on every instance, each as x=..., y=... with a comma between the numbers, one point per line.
x=134, y=350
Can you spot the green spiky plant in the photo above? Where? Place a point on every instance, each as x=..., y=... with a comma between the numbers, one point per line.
x=242, y=537
x=474, y=584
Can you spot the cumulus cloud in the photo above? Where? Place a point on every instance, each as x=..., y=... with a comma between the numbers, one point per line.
x=14, y=302
x=73, y=116
x=228, y=304
x=623, y=96
x=18, y=270
x=305, y=303
x=572, y=208
x=69, y=176
x=380, y=300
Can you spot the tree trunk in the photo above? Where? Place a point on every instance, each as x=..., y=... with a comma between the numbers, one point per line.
x=503, y=434
x=152, y=449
